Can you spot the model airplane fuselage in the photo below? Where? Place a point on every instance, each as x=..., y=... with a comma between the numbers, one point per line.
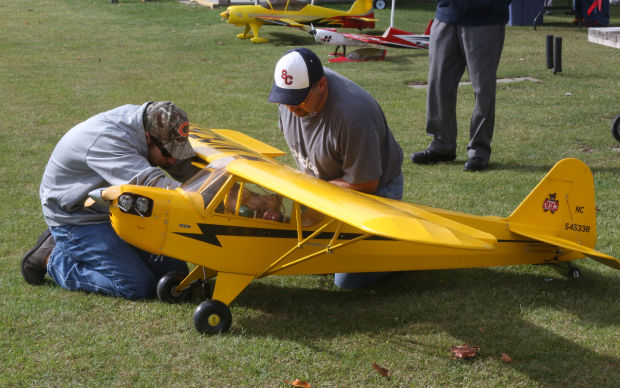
x=245, y=216
x=293, y=13
x=392, y=37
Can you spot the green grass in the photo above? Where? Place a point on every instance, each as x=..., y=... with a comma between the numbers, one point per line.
x=63, y=61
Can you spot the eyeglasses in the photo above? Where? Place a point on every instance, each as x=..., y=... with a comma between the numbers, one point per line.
x=160, y=145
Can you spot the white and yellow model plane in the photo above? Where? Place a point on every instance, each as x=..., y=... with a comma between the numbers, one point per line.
x=245, y=216
x=294, y=13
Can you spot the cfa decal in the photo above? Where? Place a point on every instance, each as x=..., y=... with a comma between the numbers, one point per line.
x=551, y=204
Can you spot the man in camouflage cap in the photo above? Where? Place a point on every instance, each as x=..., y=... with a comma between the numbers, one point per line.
x=126, y=145
x=169, y=126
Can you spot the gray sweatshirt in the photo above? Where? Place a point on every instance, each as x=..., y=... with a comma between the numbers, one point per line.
x=107, y=149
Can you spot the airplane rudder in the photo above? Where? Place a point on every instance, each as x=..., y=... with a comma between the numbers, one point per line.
x=562, y=204
x=428, y=28
x=361, y=7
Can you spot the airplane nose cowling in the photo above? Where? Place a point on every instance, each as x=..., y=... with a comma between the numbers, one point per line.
x=225, y=14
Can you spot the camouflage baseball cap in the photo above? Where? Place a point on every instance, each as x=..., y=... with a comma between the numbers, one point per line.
x=170, y=125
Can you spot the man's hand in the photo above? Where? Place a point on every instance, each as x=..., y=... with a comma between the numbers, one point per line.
x=366, y=187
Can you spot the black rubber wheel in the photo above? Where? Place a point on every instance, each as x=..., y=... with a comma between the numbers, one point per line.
x=615, y=127
x=380, y=4
x=212, y=317
x=167, y=285
x=574, y=273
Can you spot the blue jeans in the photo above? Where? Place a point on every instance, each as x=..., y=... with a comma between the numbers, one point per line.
x=393, y=190
x=93, y=258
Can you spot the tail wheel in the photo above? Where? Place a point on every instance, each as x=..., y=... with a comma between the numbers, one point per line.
x=574, y=273
x=615, y=127
x=380, y=4
x=212, y=317
x=166, y=288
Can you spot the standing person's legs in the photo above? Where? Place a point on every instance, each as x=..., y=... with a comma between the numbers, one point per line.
x=394, y=190
x=93, y=258
x=483, y=48
x=446, y=67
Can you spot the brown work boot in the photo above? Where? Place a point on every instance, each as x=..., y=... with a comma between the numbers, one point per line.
x=34, y=262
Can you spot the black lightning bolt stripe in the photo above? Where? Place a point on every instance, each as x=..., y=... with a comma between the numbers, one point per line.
x=211, y=231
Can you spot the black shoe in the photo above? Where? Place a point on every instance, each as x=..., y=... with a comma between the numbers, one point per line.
x=476, y=163
x=429, y=156
x=34, y=261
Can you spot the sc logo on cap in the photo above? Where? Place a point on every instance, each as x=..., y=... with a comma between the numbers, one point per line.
x=288, y=79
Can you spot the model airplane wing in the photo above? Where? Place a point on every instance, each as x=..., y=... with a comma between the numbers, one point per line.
x=361, y=211
x=353, y=208
x=288, y=22
x=362, y=38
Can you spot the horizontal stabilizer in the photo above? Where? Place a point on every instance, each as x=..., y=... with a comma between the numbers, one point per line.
x=613, y=262
x=362, y=19
x=566, y=244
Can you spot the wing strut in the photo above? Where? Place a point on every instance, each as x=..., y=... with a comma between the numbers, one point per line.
x=328, y=249
x=299, y=245
x=301, y=242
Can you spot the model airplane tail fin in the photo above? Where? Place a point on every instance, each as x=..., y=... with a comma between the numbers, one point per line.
x=360, y=7
x=561, y=211
x=428, y=28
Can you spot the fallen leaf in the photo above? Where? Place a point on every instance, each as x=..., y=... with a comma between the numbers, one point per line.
x=505, y=358
x=298, y=383
x=382, y=371
x=482, y=330
x=464, y=351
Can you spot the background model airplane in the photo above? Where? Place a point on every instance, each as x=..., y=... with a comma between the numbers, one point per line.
x=245, y=216
x=392, y=37
x=294, y=13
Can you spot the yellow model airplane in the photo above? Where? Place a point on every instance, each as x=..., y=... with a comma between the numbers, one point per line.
x=294, y=13
x=245, y=216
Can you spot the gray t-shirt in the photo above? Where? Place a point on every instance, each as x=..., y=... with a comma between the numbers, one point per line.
x=349, y=138
x=107, y=149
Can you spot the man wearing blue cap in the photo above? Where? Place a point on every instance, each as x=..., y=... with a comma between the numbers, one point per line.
x=337, y=132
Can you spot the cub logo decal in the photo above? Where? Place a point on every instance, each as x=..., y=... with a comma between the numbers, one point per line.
x=551, y=204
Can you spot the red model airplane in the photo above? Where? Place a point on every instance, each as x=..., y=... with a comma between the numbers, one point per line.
x=392, y=37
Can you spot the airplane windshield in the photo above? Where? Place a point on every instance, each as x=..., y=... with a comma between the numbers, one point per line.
x=283, y=5
x=207, y=181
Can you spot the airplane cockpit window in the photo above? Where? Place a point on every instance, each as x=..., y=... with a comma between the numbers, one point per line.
x=284, y=5
x=256, y=202
x=206, y=182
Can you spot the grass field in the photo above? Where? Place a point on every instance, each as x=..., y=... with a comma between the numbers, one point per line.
x=63, y=61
